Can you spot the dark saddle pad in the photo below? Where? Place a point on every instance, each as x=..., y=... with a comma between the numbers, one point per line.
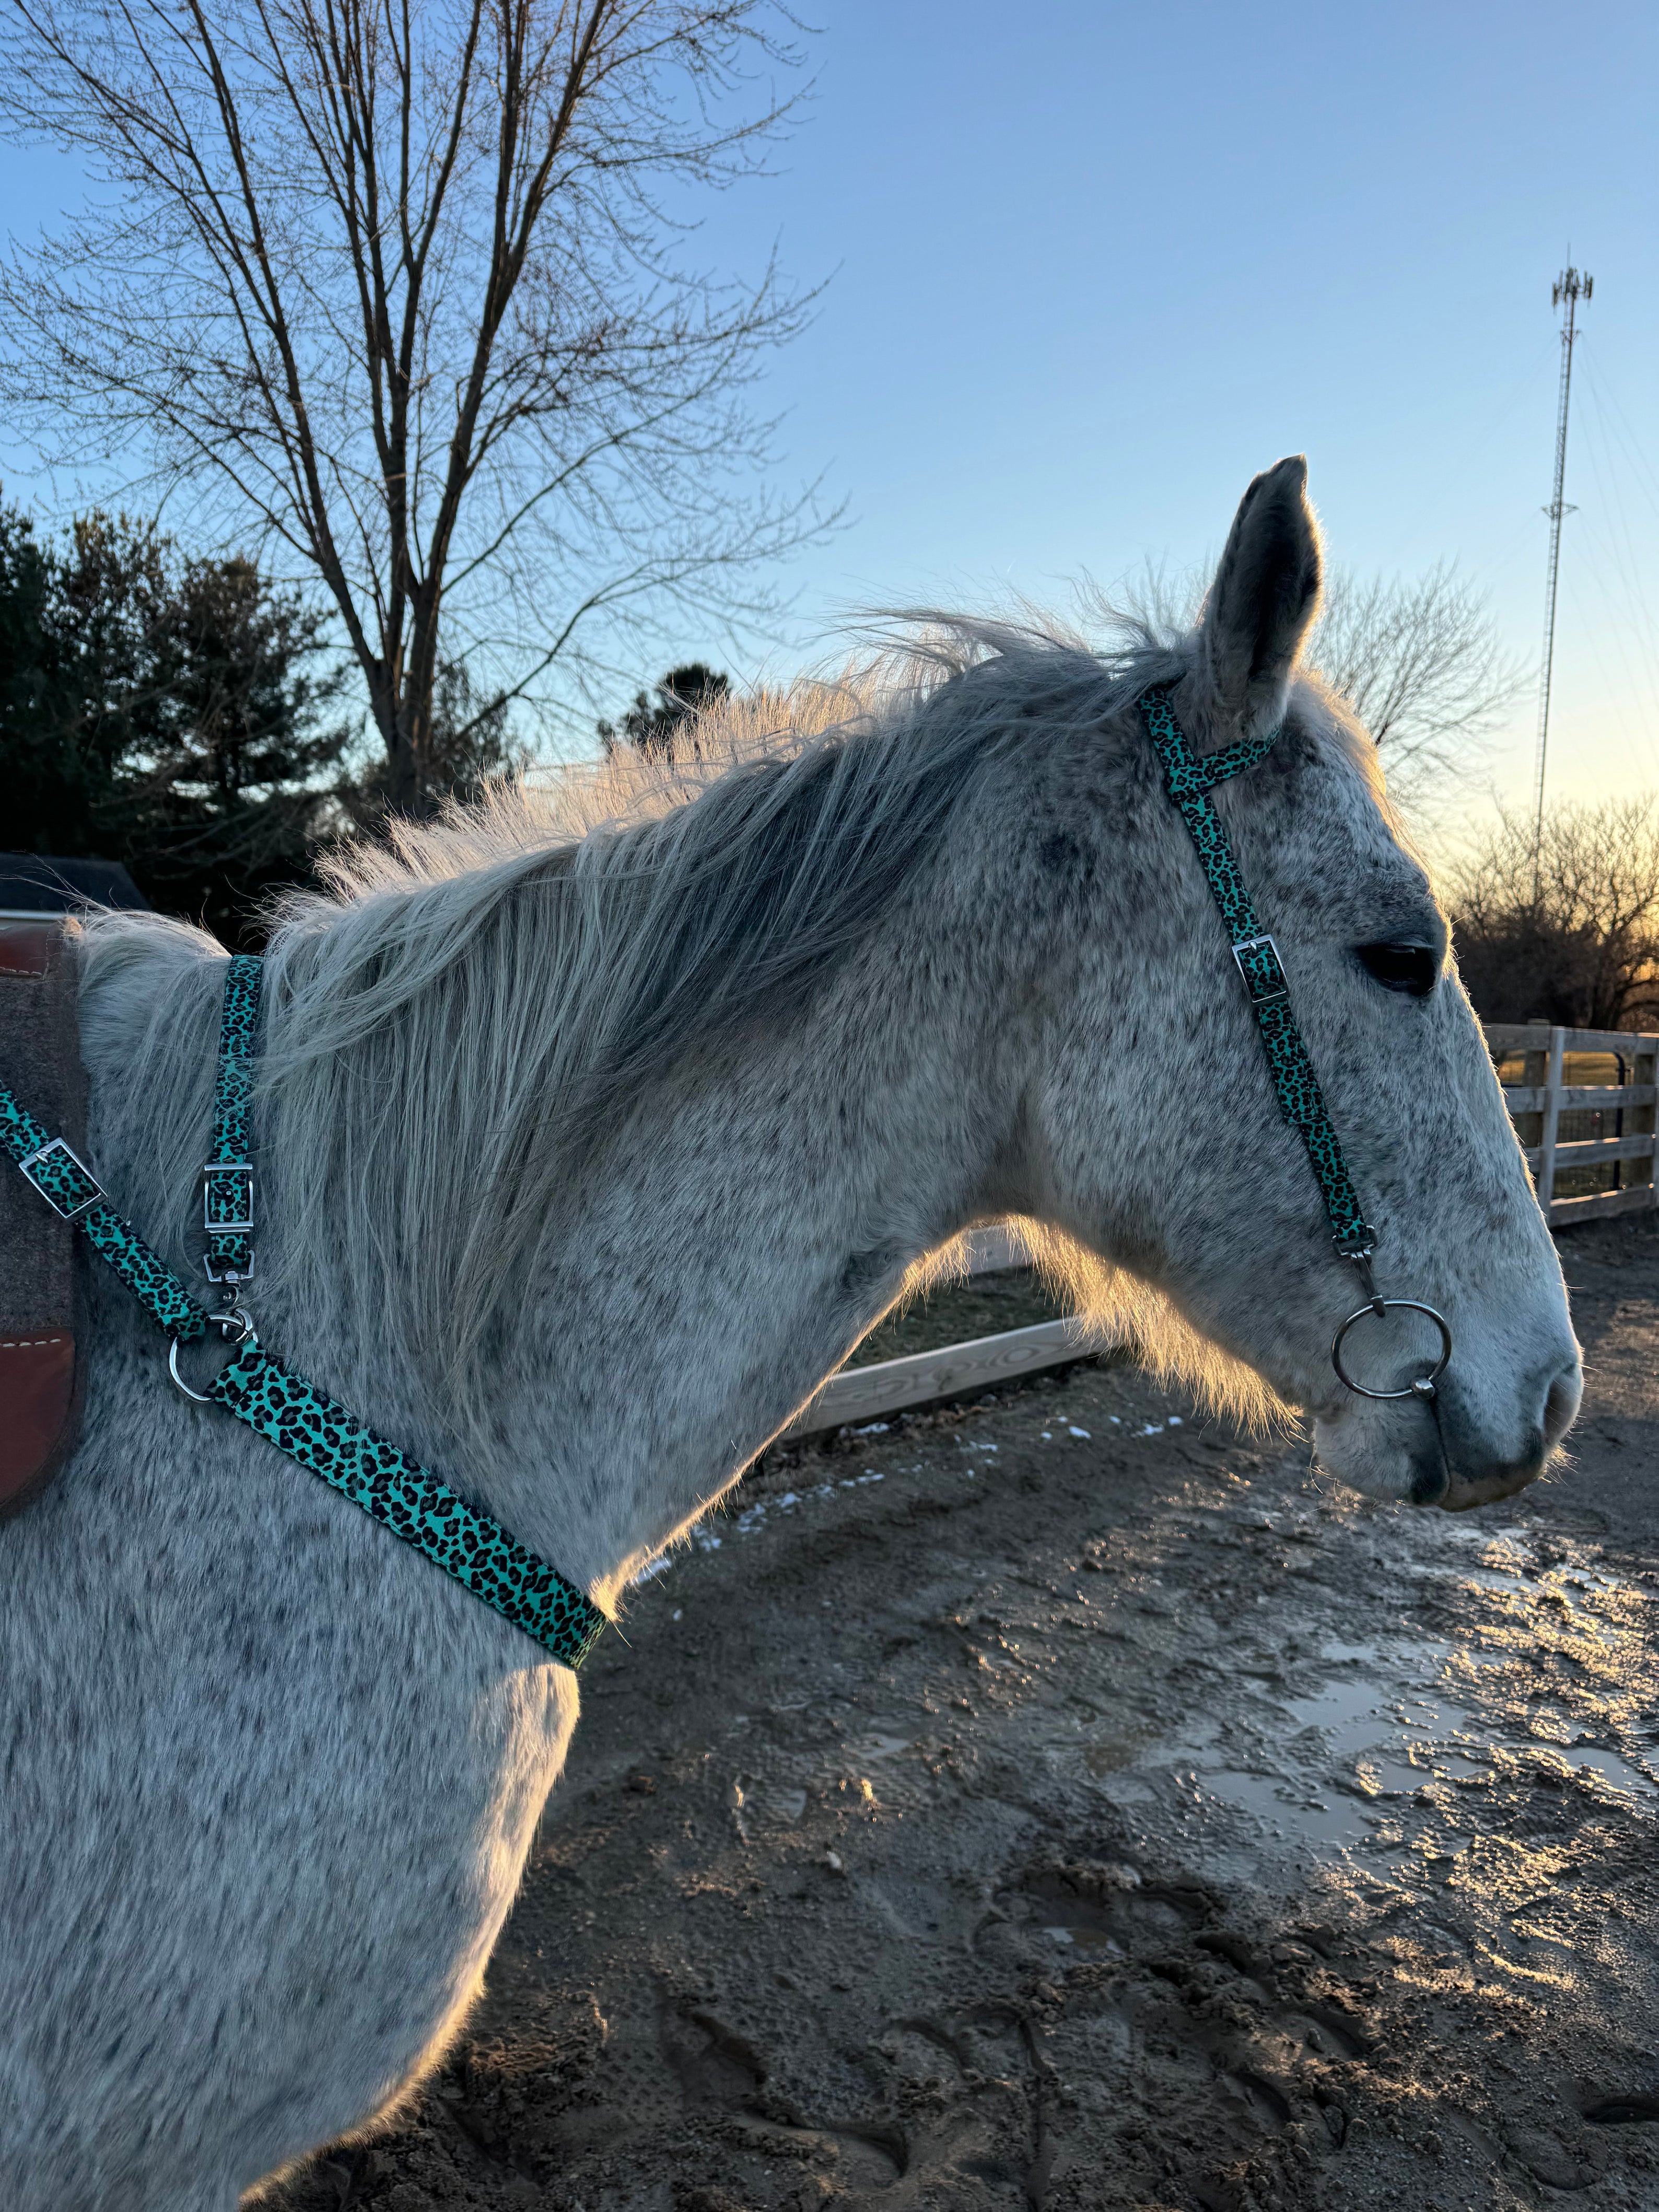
x=40, y=1368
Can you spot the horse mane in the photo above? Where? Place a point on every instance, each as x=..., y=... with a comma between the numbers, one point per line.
x=471, y=1005
x=467, y=1008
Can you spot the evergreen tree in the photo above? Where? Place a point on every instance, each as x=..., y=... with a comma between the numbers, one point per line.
x=166, y=712
x=661, y=728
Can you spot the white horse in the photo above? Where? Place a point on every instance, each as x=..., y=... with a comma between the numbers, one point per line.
x=584, y=1159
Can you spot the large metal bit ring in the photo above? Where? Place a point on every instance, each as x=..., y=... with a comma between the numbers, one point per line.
x=1424, y=1386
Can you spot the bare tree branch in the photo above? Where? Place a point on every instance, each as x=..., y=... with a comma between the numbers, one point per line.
x=1583, y=949
x=1421, y=664
x=1420, y=660
x=399, y=284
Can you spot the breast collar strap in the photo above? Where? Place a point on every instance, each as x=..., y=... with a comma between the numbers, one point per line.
x=1189, y=780
x=311, y=1428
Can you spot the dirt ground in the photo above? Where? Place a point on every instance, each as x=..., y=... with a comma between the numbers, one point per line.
x=1060, y=1803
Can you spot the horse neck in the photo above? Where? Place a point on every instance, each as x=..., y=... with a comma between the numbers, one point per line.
x=728, y=1247
x=740, y=1237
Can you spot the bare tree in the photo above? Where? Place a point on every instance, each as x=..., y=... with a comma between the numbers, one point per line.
x=397, y=279
x=1583, y=949
x=1420, y=660
x=1421, y=663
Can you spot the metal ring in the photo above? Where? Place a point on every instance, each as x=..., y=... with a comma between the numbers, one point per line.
x=1424, y=1386
x=244, y=1334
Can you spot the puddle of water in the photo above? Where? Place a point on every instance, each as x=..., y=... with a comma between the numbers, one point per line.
x=1392, y=1740
x=1402, y=1741
x=1282, y=1812
x=1439, y=1738
x=1368, y=1712
x=1617, y=1772
x=1085, y=1939
x=862, y=1749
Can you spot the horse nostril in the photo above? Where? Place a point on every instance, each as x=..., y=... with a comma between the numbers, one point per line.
x=1561, y=1406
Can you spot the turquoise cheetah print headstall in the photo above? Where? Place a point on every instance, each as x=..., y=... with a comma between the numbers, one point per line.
x=311, y=1428
x=1190, y=781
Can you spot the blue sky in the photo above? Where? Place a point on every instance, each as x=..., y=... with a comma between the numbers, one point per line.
x=1092, y=266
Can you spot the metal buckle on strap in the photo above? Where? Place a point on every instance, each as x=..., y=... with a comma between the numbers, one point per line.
x=63, y=1179
x=1263, y=970
x=238, y=1185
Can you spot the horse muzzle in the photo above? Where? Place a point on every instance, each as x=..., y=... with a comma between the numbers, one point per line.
x=1446, y=1451
x=1469, y=1481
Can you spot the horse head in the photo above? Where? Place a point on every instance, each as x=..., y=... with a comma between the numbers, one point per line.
x=1158, y=1137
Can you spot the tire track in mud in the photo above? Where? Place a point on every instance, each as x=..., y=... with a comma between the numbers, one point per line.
x=1092, y=1812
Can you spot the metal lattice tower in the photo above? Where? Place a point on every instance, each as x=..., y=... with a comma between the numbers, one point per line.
x=1571, y=286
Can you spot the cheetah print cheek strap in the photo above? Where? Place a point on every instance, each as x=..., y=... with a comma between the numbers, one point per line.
x=301, y=1420
x=1301, y=1100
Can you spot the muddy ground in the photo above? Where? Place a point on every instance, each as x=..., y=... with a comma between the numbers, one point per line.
x=1061, y=1802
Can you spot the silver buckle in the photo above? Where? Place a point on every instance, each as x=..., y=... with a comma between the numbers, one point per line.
x=1282, y=989
x=45, y=1151
x=244, y=1220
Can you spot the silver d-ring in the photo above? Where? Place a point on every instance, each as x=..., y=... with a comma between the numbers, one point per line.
x=244, y=1334
x=1424, y=1386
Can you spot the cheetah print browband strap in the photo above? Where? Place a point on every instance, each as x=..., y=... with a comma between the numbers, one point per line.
x=301, y=1420
x=1189, y=780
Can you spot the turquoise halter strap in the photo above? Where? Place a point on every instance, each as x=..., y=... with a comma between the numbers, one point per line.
x=1300, y=1099
x=311, y=1428
x=1189, y=780
x=228, y=1178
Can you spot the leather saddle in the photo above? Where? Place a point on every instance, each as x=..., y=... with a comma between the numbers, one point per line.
x=40, y=1368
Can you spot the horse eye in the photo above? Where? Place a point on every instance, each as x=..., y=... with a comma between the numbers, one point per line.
x=1413, y=969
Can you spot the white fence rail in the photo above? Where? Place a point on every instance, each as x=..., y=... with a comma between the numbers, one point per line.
x=858, y=1394
x=993, y=1246
x=1552, y=1102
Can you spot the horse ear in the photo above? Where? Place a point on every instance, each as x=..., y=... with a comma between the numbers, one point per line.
x=1263, y=599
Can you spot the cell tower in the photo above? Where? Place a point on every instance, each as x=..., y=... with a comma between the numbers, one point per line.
x=1571, y=286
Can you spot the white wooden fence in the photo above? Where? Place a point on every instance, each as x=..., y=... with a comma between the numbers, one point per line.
x=1566, y=1122
x=861, y=1394
x=1551, y=1106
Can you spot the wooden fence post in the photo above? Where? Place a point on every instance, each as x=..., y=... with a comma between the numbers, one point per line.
x=1551, y=1120
x=1535, y=1070
x=1639, y=1119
